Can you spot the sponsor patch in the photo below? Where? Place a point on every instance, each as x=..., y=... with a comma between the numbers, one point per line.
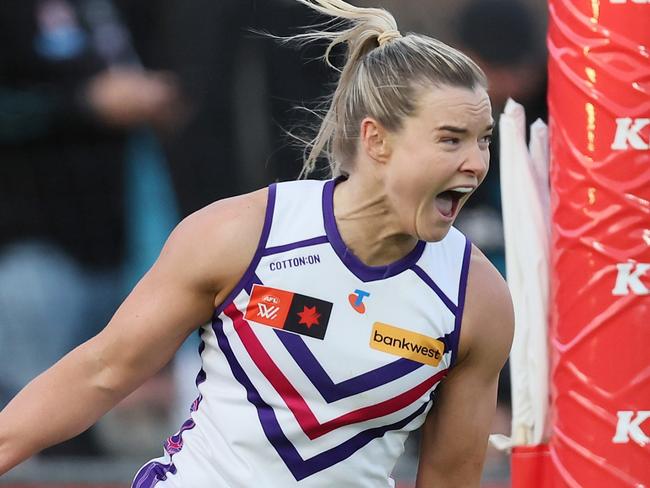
x=406, y=344
x=356, y=300
x=290, y=311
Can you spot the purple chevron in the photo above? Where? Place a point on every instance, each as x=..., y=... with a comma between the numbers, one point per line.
x=432, y=284
x=331, y=391
x=300, y=468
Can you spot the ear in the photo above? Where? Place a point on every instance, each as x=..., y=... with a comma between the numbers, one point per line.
x=375, y=140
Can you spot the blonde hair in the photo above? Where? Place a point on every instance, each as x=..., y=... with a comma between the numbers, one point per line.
x=380, y=77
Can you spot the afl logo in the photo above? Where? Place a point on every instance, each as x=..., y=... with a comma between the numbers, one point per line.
x=356, y=300
x=271, y=299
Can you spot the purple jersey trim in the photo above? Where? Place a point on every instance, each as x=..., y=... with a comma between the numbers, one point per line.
x=462, y=289
x=300, y=468
x=201, y=376
x=362, y=271
x=296, y=245
x=154, y=472
x=150, y=474
x=247, y=279
x=427, y=279
x=331, y=391
x=248, y=287
x=175, y=443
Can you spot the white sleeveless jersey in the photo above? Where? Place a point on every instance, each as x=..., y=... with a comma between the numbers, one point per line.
x=316, y=367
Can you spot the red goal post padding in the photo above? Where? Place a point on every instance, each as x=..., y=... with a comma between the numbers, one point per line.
x=599, y=122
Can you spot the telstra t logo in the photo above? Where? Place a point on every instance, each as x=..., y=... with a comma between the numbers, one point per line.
x=356, y=300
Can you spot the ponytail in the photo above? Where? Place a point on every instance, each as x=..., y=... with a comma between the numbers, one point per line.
x=380, y=74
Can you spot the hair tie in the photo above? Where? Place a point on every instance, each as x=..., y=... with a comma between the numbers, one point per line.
x=387, y=36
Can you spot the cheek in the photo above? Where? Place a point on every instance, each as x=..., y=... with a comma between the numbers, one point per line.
x=414, y=186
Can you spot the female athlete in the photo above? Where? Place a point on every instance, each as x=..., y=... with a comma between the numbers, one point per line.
x=336, y=316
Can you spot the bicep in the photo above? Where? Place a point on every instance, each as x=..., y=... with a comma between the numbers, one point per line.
x=178, y=294
x=147, y=329
x=149, y=326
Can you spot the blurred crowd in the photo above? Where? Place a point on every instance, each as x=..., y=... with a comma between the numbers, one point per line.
x=120, y=117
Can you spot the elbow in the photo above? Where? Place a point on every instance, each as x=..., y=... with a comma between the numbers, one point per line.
x=105, y=377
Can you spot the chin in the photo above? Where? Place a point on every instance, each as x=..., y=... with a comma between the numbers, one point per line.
x=436, y=233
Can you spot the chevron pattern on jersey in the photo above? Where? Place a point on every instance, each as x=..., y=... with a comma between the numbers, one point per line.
x=300, y=467
x=331, y=391
x=303, y=414
x=296, y=387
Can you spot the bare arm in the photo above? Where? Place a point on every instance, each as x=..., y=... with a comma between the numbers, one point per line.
x=454, y=436
x=199, y=265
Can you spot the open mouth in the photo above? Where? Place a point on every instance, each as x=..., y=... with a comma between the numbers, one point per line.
x=448, y=200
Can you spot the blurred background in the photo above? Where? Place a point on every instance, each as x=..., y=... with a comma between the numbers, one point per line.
x=120, y=117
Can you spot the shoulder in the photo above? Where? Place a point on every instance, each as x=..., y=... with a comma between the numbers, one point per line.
x=488, y=318
x=239, y=214
x=216, y=244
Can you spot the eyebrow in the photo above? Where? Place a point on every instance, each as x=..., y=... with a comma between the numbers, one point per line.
x=461, y=130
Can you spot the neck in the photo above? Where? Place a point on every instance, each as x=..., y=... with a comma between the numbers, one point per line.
x=367, y=223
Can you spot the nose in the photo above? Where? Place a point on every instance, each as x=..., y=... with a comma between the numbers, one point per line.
x=476, y=162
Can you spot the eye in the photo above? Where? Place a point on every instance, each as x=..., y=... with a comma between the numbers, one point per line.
x=450, y=140
x=486, y=140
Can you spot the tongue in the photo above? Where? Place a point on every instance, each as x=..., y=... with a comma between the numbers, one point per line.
x=445, y=204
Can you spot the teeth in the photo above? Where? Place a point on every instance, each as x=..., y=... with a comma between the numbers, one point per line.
x=463, y=189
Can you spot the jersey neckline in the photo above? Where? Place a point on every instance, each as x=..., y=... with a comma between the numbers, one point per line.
x=361, y=270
